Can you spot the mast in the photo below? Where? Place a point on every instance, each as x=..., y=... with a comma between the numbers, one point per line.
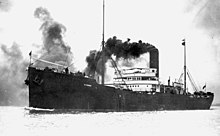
x=30, y=54
x=103, y=43
x=184, y=44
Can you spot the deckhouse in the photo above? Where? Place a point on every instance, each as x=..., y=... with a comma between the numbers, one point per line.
x=137, y=79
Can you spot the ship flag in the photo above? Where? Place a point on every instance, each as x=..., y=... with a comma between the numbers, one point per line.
x=30, y=53
x=183, y=42
x=204, y=86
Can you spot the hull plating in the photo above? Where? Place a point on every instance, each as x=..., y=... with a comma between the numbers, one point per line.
x=51, y=90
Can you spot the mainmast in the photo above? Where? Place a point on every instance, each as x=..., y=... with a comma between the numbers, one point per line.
x=184, y=44
x=103, y=44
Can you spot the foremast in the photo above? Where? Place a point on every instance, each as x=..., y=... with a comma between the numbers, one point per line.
x=103, y=44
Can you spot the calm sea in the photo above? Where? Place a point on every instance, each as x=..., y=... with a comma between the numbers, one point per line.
x=18, y=121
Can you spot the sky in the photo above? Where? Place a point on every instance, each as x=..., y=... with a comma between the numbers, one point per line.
x=161, y=23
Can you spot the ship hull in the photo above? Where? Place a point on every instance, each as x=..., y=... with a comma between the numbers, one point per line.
x=51, y=90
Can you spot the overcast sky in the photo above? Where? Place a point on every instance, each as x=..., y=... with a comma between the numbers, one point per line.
x=161, y=23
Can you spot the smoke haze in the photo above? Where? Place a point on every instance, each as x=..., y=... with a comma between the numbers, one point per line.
x=13, y=91
x=5, y=5
x=207, y=18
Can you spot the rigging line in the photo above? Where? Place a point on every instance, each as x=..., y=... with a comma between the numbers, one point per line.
x=49, y=62
x=193, y=82
x=190, y=76
x=67, y=63
x=43, y=55
x=181, y=75
x=119, y=72
x=67, y=58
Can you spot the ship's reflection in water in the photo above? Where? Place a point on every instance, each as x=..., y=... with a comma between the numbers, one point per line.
x=25, y=122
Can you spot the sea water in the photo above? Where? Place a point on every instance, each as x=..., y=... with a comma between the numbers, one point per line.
x=18, y=121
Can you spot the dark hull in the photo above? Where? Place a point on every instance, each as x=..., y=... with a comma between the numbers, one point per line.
x=52, y=90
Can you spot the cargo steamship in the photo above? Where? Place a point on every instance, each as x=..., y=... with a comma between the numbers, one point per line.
x=133, y=89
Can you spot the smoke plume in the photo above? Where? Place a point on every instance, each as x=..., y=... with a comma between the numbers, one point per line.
x=12, y=88
x=5, y=5
x=126, y=50
x=123, y=51
x=92, y=60
x=54, y=48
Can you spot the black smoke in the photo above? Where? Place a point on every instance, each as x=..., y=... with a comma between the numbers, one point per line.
x=13, y=72
x=54, y=48
x=121, y=50
x=126, y=50
x=92, y=62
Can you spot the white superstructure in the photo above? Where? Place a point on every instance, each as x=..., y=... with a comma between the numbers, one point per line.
x=137, y=79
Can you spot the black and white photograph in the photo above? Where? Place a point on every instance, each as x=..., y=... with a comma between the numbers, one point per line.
x=110, y=67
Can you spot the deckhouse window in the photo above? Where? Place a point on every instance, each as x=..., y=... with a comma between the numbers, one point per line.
x=145, y=78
